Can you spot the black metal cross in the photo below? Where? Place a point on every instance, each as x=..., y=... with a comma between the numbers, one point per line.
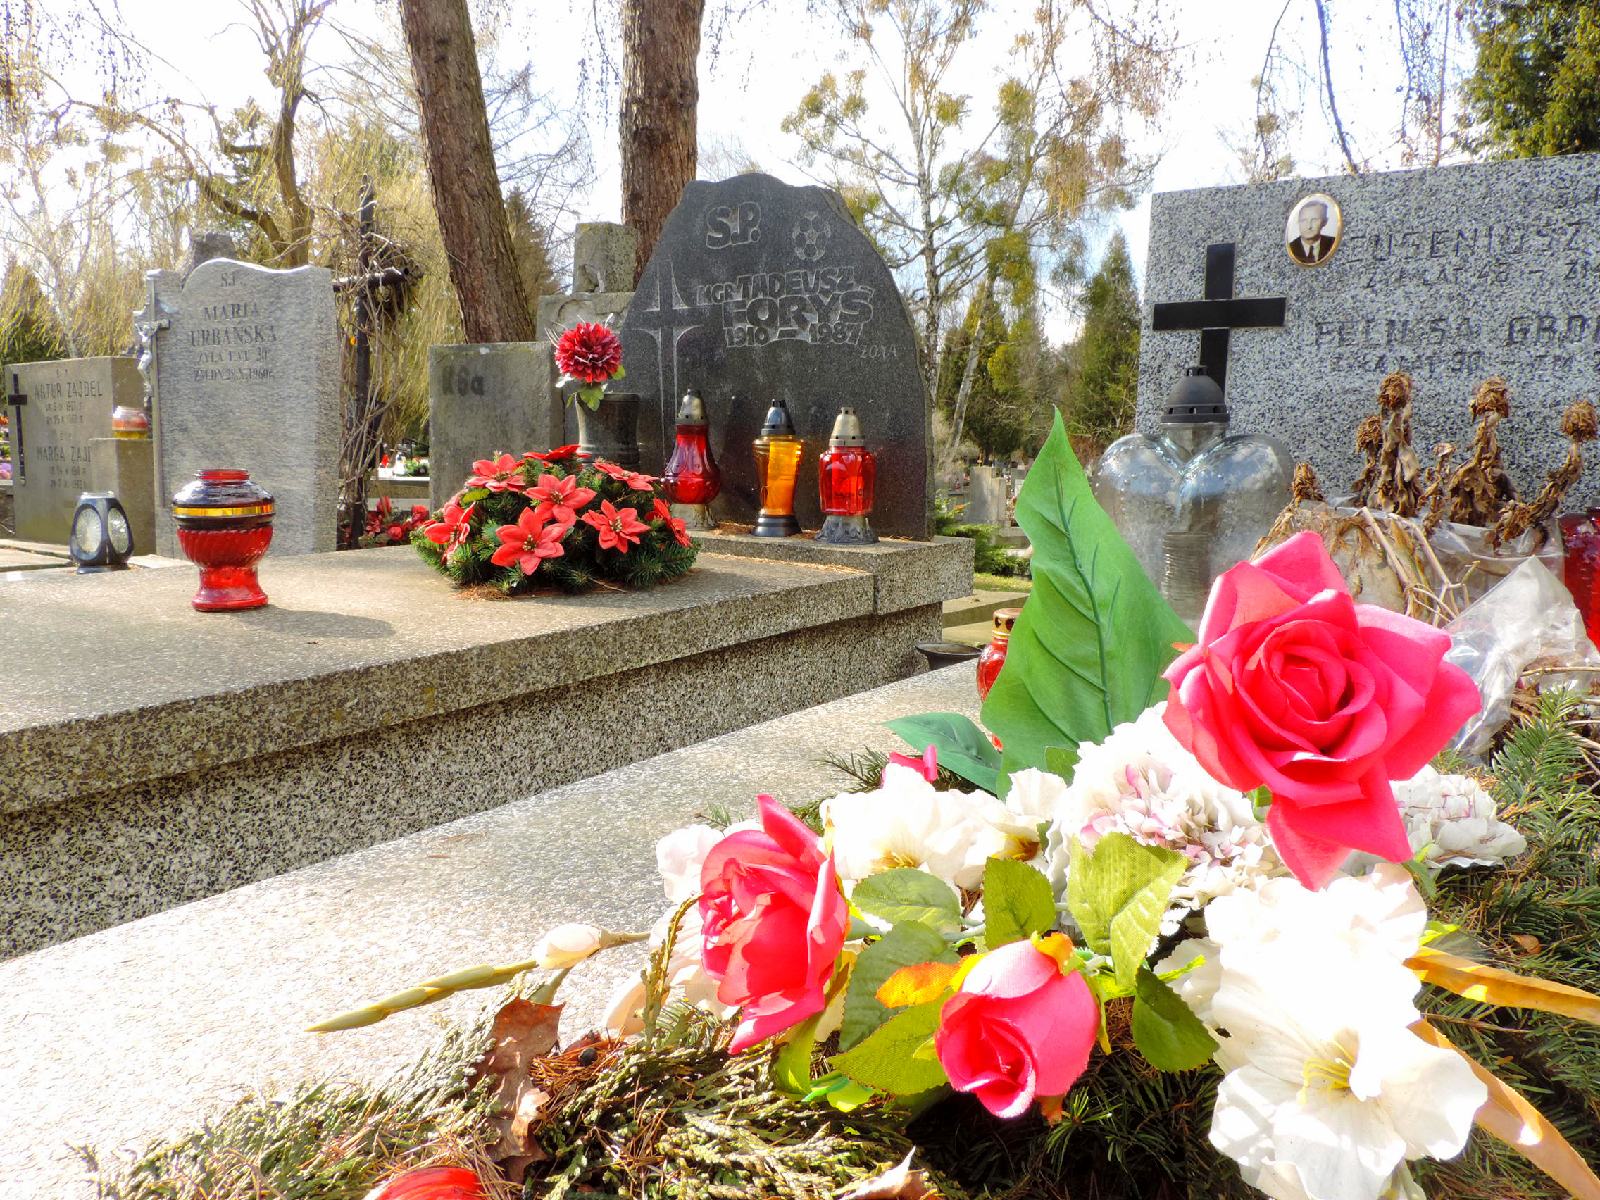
x=18, y=399
x=1219, y=313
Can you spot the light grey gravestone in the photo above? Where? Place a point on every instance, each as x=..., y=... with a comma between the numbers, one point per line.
x=484, y=399
x=246, y=374
x=64, y=407
x=1452, y=274
x=758, y=290
x=986, y=497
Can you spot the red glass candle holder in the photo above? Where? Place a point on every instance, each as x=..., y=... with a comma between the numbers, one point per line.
x=994, y=654
x=847, y=475
x=1580, y=544
x=224, y=527
x=692, y=479
x=431, y=1183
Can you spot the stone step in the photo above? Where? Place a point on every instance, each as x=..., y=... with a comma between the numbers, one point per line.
x=130, y=721
x=190, y=1009
x=980, y=606
x=974, y=633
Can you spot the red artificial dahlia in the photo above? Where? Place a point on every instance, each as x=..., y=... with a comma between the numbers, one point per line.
x=618, y=527
x=589, y=352
x=680, y=531
x=528, y=542
x=498, y=475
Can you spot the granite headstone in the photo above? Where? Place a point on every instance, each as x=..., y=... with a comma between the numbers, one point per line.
x=986, y=497
x=1451, y=274
x=247, y=375
x=758, y=290
x=67, y=406
x=484, y=399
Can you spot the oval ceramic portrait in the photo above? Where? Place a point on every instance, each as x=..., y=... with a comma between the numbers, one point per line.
x=1312, y=233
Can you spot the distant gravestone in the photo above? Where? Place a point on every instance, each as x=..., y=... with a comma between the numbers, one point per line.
x=758, y=290
x=246, y=374
x=1452, y=274
x=986, y=497
x=64, y=407
x=484, y=398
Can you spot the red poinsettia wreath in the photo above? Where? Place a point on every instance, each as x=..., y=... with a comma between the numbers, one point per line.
x=555, y=519
x=589, y=354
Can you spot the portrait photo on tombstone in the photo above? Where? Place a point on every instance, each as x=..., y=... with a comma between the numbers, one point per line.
x=1313, y=230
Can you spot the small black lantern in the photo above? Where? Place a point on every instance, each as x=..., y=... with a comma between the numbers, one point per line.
x=101, y=537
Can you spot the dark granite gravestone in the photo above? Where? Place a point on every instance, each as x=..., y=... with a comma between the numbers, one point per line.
x=758, y=290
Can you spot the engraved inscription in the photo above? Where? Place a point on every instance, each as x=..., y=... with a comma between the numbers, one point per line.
x=233, y=346
x=733, y=225
x=828, y=306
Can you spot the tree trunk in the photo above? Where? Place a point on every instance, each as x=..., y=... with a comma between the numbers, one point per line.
x=461, y=170
x=969, y=370
x=660, y=97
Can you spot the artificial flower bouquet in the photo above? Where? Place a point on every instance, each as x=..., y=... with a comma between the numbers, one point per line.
x=385, y=528
x=555, y=519
x=590, y=356
x=1185, y=908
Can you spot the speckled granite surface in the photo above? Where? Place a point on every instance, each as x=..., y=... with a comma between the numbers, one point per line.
x=93, y=861
x=144, y=1030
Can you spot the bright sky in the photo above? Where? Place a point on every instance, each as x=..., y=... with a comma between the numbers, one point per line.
x=767, y=58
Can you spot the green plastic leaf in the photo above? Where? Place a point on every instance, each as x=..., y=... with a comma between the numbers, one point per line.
x=619, y=373
x=902, y=946
x=1061, y=760
x=905, y=894
x=1094, y=636
x=1017, y=902
x=962, y=746
x=1165, y=1029
x=1117, y=896
x=899, y=1058
x=791, y=1070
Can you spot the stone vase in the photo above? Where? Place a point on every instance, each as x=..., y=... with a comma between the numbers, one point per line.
x=612, y=430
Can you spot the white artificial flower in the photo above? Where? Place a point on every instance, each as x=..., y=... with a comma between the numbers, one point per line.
x=679, y=857
x=907, y=822
x=1450, y=819
x=1142, y=782
x=1328, y=1092
x=567, y=945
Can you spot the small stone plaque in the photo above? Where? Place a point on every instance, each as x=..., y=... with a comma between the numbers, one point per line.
x=246, y=375
x=758, y=290
x=68, y=405
x=1452, y=275
x=484, y=399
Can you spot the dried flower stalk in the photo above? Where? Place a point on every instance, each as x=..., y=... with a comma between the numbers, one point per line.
x=1481, y=490
x=1398, y=486
x=1579, y=424
x=1369, y=440
x=1436, y=492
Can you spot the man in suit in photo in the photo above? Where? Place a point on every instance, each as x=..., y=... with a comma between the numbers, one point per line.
x=1312, y=246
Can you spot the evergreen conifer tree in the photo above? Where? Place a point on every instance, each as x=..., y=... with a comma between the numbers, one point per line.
x=1536, y=87
x=1099, y=394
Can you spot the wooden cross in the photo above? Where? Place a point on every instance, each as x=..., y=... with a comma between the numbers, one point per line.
x=19, y=400
x=1219, y=313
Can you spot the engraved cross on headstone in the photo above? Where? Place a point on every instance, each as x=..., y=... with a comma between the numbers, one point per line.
x=19, y=399
x=1219, y=313
x=668, y=319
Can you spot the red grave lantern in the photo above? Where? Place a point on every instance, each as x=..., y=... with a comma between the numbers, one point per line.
x=692, y=479
x=847, y=473
x=432, y=1183
x=224, y=527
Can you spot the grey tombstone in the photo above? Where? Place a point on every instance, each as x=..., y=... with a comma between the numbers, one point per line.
x=757, y=290
x=604, y=256
x=247, y=374
x=986, y=497
x=208, y=244
x=1451, y=274
x=483, y=399
x=67, y=406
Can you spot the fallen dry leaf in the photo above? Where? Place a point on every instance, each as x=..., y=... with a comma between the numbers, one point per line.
x=898, y=1183
x=522, y=1032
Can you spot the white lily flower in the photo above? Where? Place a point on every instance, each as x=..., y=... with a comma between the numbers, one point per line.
x=1328, y=1092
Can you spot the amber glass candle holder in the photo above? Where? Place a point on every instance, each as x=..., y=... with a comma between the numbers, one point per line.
x=692, y=479
x=778, y=452
x=224, y=526
x=846, y=476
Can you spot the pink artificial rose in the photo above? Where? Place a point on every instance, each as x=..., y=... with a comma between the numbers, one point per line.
x=774, y=920
x=1017, y=1029
x=1296, y=686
